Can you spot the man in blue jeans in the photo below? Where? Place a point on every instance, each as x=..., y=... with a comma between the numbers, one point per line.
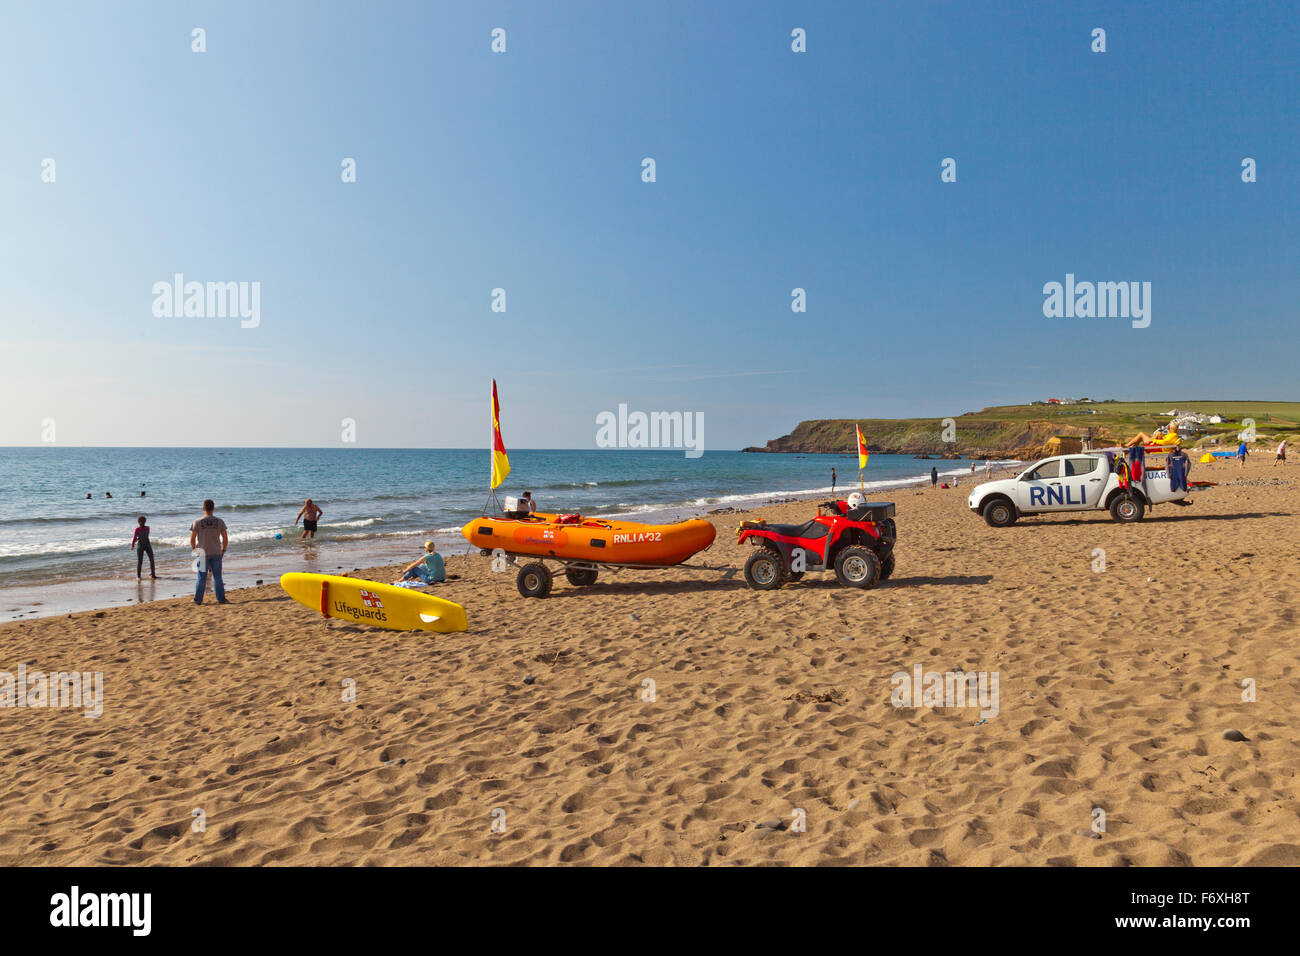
x=209, y=534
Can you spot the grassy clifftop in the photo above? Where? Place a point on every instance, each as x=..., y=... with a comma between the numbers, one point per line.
x=1006, y=430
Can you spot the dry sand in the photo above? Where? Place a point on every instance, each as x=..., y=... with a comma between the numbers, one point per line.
x=1115, y=690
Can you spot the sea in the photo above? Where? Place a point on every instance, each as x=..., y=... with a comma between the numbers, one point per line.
x=62, y=552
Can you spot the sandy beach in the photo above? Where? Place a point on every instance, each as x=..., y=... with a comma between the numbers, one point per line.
x=1116, y=687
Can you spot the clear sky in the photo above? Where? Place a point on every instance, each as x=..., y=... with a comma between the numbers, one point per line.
x=522, y=170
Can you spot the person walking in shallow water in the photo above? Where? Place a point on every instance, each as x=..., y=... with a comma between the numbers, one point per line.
x=309, y=514
x=832, y=481
x=141, y=546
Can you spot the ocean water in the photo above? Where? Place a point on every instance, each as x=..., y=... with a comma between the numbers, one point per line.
x=380, y=505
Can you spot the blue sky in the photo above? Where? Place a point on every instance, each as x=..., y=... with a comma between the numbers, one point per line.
x=522, y=171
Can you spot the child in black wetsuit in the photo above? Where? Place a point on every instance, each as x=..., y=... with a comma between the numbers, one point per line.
x=141, y=537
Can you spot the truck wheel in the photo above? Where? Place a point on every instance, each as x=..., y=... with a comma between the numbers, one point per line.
x=764, y=570
x=887, y=567
x=1126, y=510
x=999, y=513
x=857, y=568
x=580, y=577
x=534, y=580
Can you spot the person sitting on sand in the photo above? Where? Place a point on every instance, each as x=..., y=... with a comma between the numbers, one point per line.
x=429, y=567
x=309, y=514
x=141, y=537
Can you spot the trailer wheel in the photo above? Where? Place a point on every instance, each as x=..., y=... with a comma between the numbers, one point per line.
x=857, y=568
x=580, y=577
x=999, y=513
x=764, y=571
x=1126, y=510
x=534, y=580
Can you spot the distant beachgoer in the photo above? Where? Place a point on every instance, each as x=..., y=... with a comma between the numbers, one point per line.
x=89, y=496
x=141, y=537
x=108, y=494
x=209, y=533
x=429, y=567
x=142, y=494
x=528, y=500
x=1242, y=452
x=934, y=477
x=309, y=514
x=988, y=469
x=1281, y=454
x=972, y=467
x=832, y=481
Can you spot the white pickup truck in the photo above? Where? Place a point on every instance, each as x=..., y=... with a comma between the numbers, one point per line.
x=1079, y=482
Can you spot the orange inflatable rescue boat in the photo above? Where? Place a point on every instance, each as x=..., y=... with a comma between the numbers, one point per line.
x=591, y=540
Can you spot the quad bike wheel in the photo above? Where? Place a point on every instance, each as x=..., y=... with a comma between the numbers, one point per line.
x=764, y=571
x=580, y=577
x=857, y=567
x=534, y=580
x=887, y=567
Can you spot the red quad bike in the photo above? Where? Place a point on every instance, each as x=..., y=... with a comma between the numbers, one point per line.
x=858, y=542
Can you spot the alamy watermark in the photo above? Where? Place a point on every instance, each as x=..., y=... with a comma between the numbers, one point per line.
x=922, y=688
x=1101, y=300
x=653, y=430
x=179, y=299
x=64, y=689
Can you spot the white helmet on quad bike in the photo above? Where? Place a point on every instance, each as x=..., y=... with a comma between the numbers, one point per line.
x=856, y=500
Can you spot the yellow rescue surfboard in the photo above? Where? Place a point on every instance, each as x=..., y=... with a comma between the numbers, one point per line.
x=372, y=603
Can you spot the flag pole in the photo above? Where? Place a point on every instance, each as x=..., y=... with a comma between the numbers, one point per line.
x=862, y=456
x=492, y=491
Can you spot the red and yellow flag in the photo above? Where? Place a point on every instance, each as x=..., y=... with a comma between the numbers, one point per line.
x=863, y=454
x=500, y=463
